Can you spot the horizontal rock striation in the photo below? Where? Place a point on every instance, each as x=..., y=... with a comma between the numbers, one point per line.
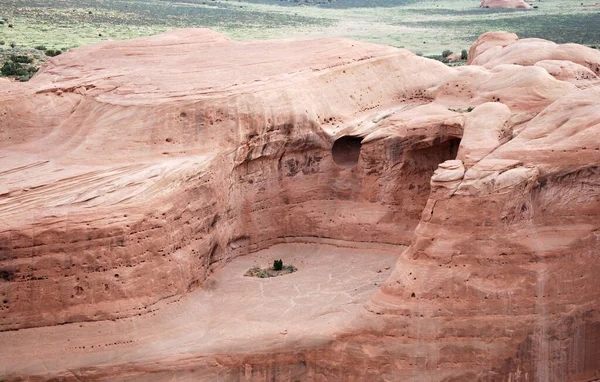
x=132, y=171
x=145, y=186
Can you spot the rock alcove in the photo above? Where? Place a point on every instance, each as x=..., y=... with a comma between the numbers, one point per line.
x=346, y=151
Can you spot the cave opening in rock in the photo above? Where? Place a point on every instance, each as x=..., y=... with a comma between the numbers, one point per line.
x=346, y=151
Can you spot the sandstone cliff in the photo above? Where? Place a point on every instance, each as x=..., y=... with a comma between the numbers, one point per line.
x=132, y=171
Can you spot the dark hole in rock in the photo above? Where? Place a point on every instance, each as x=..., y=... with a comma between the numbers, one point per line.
x=346, y=151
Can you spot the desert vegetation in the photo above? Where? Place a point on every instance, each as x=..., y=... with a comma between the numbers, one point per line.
x=21, y=64
x=20, y=67
x=277, y=269
x=425, y=26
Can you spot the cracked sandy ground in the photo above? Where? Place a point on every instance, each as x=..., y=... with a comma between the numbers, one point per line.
x=231, y=314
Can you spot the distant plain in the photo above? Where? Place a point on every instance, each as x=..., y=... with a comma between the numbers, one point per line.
x=425, y=26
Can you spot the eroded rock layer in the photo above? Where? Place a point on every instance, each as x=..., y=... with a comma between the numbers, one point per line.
x=131, y=171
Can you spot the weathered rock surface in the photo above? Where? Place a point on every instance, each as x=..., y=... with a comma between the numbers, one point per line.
x=567, y=70
x=133, y=171
x=496, y=48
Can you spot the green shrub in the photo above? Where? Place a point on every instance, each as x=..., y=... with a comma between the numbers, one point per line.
x=2, y=42
x=53, y=52
x=11, y=69
x=446, y=53
x=21, y=59
x=13, y=44
x=278, y=265
x=41, y=47
x=464, y=54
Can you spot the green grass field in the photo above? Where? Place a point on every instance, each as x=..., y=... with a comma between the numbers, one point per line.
x=427, y=27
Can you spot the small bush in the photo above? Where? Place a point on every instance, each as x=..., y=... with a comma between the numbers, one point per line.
x=2, y=42
x=464, y=54
x=21, y=59
x=53, y=52
x=11, y=69
x=10, y=25
x=278, y=269
x=41, y=47
x=278, y=265
x=446, y=53
x=13, y=44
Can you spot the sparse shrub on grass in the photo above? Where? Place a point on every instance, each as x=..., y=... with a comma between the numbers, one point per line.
x=2, y=42
x=13, y=44
x=10, y=25
x=464, y=54
x=31, y=71
x=278, y=265
x=439, y=58
x=53, y=52
x=41, y=47
x=11, y=68
x=21, y=59
x=446, y=53
x=19, y=67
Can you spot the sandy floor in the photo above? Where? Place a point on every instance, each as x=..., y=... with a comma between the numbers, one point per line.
x=230, y=314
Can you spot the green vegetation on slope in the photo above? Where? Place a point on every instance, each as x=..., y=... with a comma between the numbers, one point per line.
x=569, y=28
x=427, y=27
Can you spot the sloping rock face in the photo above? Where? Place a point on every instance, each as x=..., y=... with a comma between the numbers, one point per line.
x=495, y=48
x=133, y=170
x=171, y=155
x=506, y=247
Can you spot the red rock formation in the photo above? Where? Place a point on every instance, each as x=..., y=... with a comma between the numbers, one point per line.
x=496, y=48
x=131, y=171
